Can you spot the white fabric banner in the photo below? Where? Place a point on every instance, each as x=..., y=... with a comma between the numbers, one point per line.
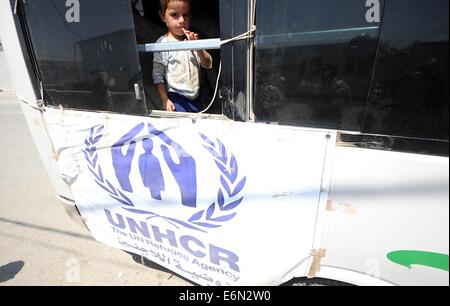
x=217, y=202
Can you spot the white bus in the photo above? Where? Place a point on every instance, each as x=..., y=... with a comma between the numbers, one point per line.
x=322, y=159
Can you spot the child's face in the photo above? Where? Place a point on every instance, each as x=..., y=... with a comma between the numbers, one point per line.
x=177, y=17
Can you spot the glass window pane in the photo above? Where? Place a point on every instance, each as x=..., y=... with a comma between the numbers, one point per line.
x=314, y=61
x=86, y=53
x=410, y=93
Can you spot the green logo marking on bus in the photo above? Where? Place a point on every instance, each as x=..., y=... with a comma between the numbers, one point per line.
x=427, y=259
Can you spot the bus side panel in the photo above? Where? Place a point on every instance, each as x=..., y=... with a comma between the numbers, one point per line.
x=38, y=130
x=16, y=55
x=9, y=27
x=388, y=216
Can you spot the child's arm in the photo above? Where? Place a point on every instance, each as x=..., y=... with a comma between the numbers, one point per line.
x=158, y=79
x=168, y=105
x=205, y=57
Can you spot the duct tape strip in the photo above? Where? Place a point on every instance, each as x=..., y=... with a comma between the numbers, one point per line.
x=315, y=266
x=341, y=208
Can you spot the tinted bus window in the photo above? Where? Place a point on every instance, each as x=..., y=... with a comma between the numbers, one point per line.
x=410, y=93
x=86, y=53
x=314, y=61
x=233, y=90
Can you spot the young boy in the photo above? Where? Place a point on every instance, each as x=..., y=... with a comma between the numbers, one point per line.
x=177, y=73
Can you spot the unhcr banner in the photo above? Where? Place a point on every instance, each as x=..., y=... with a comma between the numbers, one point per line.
x=217, y=202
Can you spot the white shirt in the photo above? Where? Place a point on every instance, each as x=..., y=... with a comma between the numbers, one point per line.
x=179, y=70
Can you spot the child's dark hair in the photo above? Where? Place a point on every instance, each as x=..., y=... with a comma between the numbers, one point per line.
x=164, y=3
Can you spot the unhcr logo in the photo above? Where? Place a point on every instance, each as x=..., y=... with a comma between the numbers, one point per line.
x=152, y=143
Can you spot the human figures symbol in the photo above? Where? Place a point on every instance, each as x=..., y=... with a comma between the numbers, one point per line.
x=150, y=170
x=183, y=170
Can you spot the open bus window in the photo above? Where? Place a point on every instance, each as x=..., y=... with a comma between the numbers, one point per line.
x=149, y=27
x=314, y=62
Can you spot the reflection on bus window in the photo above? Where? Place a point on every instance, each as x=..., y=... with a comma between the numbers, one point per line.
x=409, y=95
x=313, y=62
x=91, y=64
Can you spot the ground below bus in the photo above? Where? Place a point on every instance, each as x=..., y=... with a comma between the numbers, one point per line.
x=39, y=243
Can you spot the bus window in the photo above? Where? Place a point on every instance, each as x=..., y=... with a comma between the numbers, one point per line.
x=149, y=27
x=409, y=94
x=86, y=54
x=234, y=20
x=314, y=61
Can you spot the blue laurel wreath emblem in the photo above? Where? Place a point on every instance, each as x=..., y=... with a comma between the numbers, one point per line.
x=228, y=196
x=91, y=156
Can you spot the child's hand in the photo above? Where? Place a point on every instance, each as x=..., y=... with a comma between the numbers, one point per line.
x=190, y=35
x=170, y=107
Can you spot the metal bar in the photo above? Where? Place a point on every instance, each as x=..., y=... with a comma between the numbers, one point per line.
x=202, y=44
